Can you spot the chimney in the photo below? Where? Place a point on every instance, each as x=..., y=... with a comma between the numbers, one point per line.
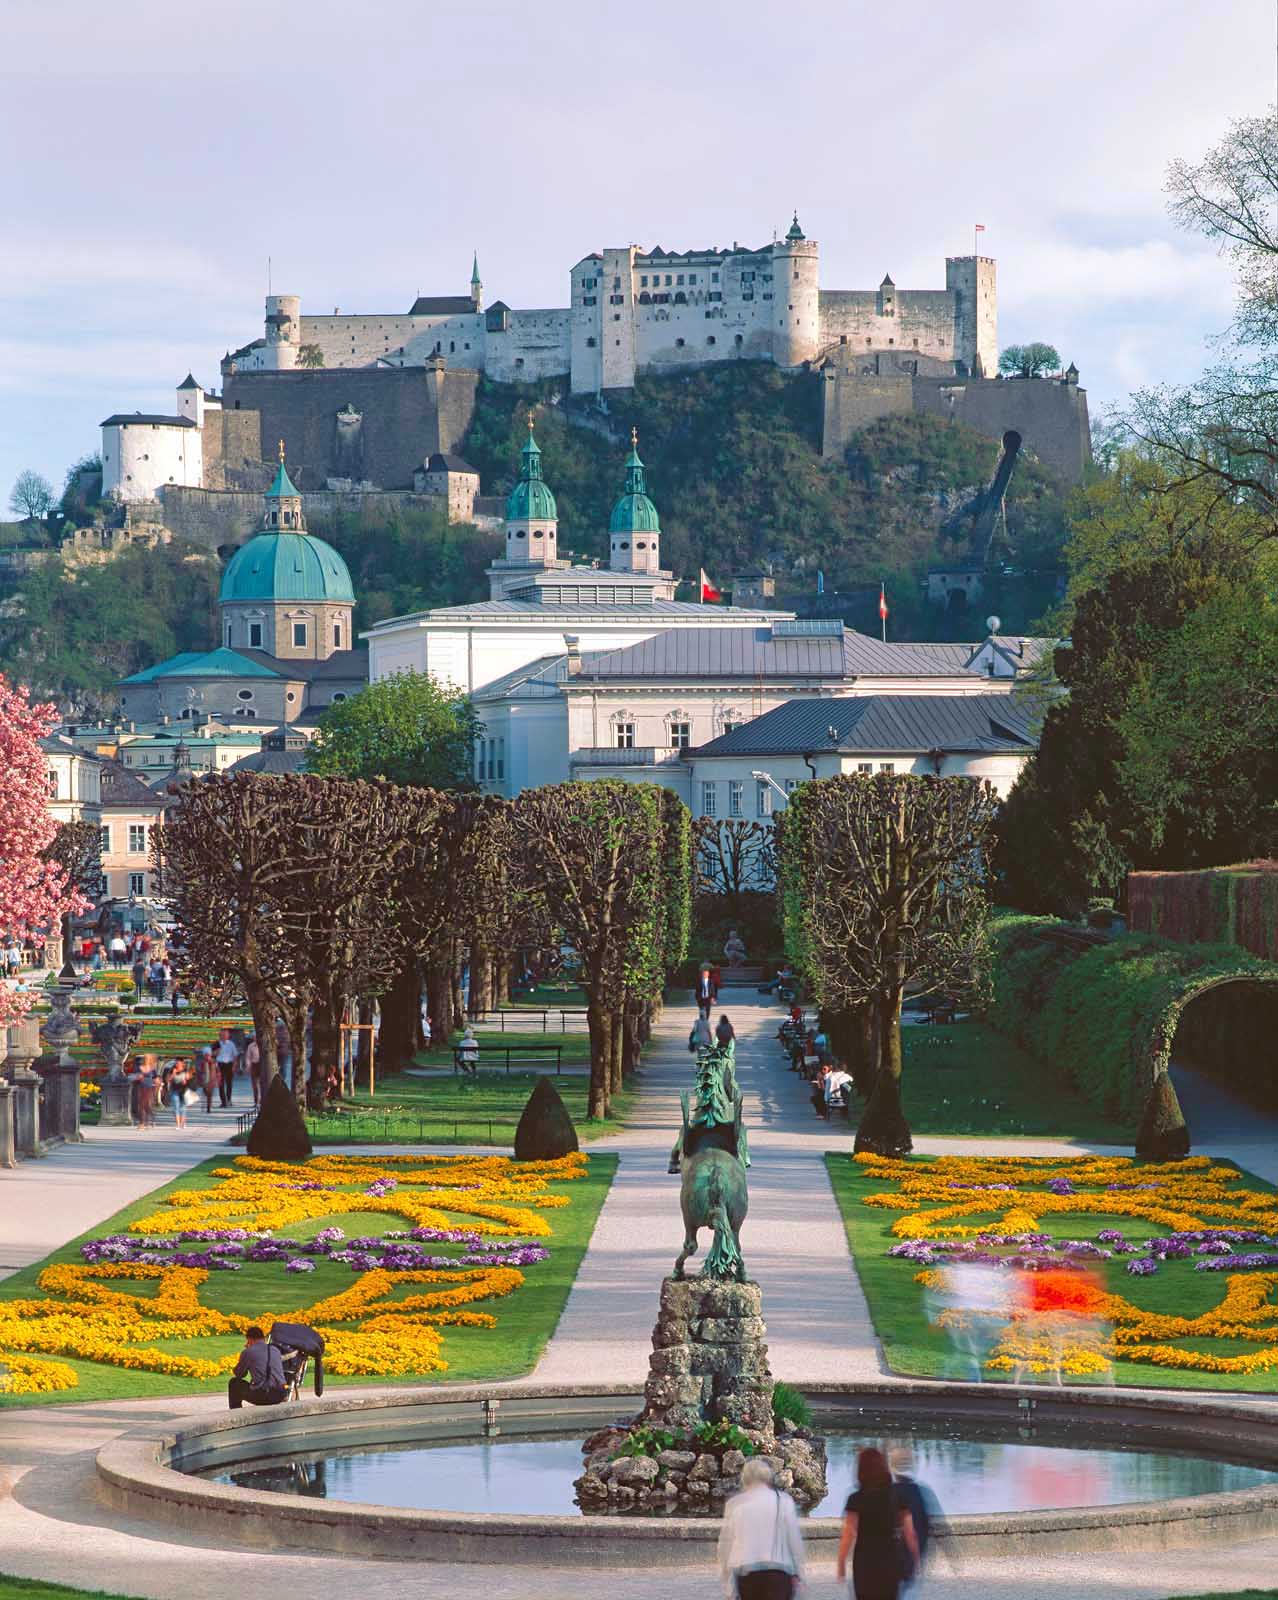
x=572, y=643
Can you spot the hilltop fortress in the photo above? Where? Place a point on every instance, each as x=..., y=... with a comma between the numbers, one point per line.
x=365, y=402
x=633, y=311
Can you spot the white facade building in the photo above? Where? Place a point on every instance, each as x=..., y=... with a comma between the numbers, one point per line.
x=74, y=780
x=635, y=712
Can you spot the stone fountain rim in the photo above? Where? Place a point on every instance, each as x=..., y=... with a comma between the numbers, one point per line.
x=135, y=1473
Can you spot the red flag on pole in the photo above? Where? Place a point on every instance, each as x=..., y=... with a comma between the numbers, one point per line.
x=883, y=613
x=708, y=590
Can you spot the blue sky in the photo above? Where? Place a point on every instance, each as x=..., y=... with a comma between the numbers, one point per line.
x=163, y=152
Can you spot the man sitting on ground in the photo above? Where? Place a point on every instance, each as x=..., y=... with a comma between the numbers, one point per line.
x=259, y=1373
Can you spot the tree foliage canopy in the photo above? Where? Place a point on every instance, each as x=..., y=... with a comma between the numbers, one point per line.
x=405, y=728
x=1029, y=360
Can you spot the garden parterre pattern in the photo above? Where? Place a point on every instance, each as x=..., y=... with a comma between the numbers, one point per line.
x=987, y=1212
x=490, y=1206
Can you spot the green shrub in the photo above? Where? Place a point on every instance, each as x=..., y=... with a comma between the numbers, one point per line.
x=1106, y=1017
x=788, y=1405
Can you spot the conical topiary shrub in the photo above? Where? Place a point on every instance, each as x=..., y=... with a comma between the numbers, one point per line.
x=545, y=1130
x=1163, y=1134
x=279, y=1134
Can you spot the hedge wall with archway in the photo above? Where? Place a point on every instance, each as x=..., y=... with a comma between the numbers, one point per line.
x=1106, y=1016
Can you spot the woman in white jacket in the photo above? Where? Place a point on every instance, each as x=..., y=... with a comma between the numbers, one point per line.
x=760, y=1547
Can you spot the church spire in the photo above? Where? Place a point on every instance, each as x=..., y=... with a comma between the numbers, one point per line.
x=476, y=284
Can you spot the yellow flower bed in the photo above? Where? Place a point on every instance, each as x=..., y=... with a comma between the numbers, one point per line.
x=369, y=1328
x=1189, y=1196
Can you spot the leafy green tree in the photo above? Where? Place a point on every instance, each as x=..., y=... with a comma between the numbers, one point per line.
x=1200, y=735
x=82, y=486
x=310, y=355
x=406, y=728
x=1029, y=360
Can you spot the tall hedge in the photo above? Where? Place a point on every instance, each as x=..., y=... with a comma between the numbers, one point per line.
x=1106, y=1018
x=1220, y=905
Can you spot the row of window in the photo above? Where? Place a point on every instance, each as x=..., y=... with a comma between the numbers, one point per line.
x=300, y=636
x=137, y=839
x=490, y=764
x=736, y=797
x=679, y=278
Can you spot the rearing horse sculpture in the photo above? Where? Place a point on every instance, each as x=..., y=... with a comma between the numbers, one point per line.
x=713, y=1153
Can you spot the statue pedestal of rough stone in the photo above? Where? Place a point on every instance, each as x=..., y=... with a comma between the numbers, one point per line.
x=24, y=1046
x=115, y=1105
x=709, y=1388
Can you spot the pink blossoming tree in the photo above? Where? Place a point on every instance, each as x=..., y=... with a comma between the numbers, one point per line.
x=34, y=893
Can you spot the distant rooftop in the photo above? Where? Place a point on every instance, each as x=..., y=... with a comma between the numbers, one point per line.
x=885, y=724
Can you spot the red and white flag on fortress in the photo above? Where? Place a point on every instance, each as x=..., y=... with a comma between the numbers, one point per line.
x=708, y=590
x=980, y=227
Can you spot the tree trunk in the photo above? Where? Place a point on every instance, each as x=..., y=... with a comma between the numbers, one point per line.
x=617, y=1057
x=296, y=1019
x=481, y=981
x=883, y=1129
x=501, y=984
x=439, y=1002
x=599, y=1023
x=398, y=1034
x=264, y=1015
x=364, y=1048
x=632, y=1043
x=326, y=1042
x=455, y=981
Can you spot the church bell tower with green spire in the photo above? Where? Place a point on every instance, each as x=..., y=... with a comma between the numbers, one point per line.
x=634, y=531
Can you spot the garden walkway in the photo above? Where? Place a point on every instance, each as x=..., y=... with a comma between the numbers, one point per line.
x=45, y=1203
x=52, y=1526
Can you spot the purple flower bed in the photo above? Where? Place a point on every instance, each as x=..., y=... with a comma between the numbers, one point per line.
x=227, y=1248
x=1142, y=1267
x=1244, y=1263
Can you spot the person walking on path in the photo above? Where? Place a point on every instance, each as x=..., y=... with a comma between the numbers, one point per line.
x=921, y=1504
x=139, y=978
x=724, y=1032
x=179, y=1090
x=148, y=1092
x=874, y=1519
x=253, y=1061
x=206, y=1076
x=700, y=1038
x=227, y=1055
x=259, y=1373
x=119, y=950
x=706, y=991
x=760, y=1546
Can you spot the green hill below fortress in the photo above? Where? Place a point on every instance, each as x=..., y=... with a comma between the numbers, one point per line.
x=735, y=467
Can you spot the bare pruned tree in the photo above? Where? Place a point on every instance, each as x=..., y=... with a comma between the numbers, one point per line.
x=733, y=856
x=884, y=879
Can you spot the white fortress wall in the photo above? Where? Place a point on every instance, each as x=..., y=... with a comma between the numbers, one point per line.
x=924, y=320
x=535, y=344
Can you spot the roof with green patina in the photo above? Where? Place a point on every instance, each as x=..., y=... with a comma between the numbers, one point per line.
x=287, y=566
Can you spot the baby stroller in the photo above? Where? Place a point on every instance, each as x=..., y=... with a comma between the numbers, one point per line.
x=298, y=1346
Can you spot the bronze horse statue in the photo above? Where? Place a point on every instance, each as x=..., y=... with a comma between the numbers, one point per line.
x=712, y=1153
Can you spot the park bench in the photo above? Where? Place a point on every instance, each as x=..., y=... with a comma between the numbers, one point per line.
x=524, y=1019
x=733, y=977
x=527, y=1057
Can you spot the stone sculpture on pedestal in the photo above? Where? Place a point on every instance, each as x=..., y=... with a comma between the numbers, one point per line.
x=708, y=1396
x=115, y=1038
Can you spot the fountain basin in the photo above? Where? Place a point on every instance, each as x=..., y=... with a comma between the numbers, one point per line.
x=166, y=1478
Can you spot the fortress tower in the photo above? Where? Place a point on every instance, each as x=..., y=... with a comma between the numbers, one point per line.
x=973, y=282
x=796, y=310
x=283, y=332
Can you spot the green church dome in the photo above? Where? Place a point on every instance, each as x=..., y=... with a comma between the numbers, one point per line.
x=634, y=512
x=287, y=566
x=531, y=500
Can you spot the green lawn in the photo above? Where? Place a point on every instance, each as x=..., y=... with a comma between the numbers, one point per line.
x=451, y=1109
x=912, y=1346
x=525, y=1319
x=966, y=1078
x=35, y=1589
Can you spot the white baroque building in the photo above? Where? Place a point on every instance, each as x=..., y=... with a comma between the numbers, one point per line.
x=651, y=711
x=142, y=451
x=542, y=606
x=632, y=311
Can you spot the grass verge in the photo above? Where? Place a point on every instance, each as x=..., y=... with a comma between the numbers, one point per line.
x=965, y=1077
x=913, y=1347
x=37, y=1589
x=525, y=1319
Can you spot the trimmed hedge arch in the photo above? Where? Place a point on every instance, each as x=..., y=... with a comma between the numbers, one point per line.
x=1106, y=1017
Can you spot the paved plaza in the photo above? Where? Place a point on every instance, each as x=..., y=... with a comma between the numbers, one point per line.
x=52, y=1525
